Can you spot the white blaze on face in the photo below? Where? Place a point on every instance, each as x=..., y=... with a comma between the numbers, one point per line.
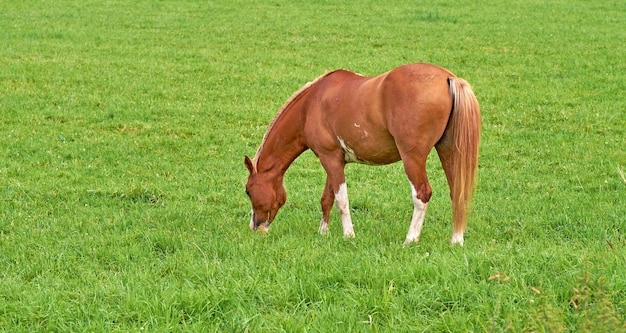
x=417, y=221
x=252, y=219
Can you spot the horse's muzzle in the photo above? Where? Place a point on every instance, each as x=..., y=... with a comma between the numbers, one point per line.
x=262, y=227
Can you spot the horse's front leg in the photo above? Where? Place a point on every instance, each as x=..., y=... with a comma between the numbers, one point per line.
x=328, y=197
x=336, y=191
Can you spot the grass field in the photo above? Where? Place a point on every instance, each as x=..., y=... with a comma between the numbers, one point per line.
x=124, y=125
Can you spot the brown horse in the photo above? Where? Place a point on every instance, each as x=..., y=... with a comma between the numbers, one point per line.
x=344, y=117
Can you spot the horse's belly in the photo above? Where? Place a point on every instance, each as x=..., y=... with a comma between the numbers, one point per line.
x=371, y=153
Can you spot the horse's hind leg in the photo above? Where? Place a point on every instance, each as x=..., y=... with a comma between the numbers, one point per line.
x=421, y=192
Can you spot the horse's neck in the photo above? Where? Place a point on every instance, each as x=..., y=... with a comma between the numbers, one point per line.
x=283, y=144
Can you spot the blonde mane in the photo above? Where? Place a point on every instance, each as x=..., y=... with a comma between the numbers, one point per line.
x=281, y=112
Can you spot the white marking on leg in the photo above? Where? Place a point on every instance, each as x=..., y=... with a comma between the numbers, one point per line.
x=417, y=221
x=341, y=199
x=357, y=125
x=323, y=226
x=457, y=238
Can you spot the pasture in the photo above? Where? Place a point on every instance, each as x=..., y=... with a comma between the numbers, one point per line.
x=124, y=126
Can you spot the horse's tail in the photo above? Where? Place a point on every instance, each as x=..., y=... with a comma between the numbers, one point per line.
x=463, y=133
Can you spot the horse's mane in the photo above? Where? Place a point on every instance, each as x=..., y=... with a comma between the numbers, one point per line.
x=282, y=110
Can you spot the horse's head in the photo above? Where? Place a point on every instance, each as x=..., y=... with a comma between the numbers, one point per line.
x=267, y=196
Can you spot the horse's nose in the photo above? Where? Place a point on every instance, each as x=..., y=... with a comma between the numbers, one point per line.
x=260, y=226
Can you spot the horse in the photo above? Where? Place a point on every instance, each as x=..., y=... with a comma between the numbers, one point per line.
x=345, y=117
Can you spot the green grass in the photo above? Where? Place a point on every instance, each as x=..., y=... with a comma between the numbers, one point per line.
x=124, y=126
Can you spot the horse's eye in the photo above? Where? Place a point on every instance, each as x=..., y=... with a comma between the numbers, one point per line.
x=247, y=193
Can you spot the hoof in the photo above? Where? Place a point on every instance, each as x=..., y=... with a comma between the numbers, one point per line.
x=323, y=228
x=457, y=238
x=411, y=241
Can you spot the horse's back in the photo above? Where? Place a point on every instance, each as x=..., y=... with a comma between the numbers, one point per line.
x=373, y=117
x=416, y=83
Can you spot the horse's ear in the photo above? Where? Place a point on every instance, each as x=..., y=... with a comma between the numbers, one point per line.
x=249, y=164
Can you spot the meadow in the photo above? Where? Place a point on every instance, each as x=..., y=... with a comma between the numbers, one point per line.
x=124, y=127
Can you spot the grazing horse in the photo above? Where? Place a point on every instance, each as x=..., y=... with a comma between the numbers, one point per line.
x=345, y=117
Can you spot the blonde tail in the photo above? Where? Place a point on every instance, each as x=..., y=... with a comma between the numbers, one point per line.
x=464, y=130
